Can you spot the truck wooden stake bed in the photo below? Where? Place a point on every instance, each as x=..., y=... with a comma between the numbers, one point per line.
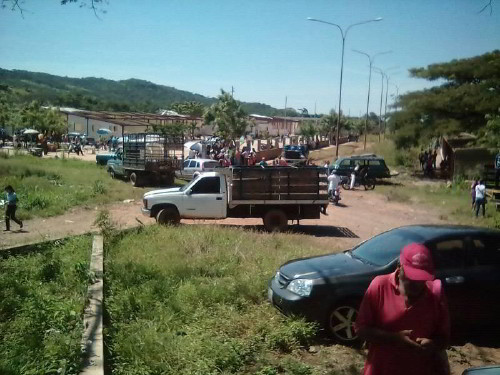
x=275, y=194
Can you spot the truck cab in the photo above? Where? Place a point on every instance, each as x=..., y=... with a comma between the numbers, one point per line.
x=115, y=165
x=203, y=198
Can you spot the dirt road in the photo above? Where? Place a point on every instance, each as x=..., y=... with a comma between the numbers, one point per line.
x=361, y=215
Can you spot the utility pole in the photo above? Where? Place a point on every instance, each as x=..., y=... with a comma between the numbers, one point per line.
x=232, y=91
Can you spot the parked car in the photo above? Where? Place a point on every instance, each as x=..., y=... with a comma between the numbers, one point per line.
x=193, y=167
x=376, y=165
x=328, y=289
x=90, y=142
x=483, y=370
x=102, y=159
x=295, y=155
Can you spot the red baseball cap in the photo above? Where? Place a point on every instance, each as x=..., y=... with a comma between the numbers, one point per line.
x=417, y=262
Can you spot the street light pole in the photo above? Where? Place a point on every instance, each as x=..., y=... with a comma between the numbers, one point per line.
x=371, y=59
x=382, y=75
x=344, y=35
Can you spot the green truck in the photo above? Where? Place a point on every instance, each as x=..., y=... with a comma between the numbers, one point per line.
x=148, y=158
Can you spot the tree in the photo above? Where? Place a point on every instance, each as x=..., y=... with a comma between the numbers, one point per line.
x=462, y=103
x=94, y=5
x=176, y=128
x=228, y=117
x=327, y=124
x=193, y=109
x=308, y=129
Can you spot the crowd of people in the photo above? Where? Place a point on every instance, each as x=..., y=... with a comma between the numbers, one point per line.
x=427, y=161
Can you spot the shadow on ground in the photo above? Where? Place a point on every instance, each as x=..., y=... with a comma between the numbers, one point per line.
x=310, y=230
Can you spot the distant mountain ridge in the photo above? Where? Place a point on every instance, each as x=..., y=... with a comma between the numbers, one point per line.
x=104, y=94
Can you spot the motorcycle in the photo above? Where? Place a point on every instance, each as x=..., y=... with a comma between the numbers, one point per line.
x=367, y=182
x=334, y=195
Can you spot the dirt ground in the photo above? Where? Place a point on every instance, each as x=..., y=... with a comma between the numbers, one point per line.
x=361, y=215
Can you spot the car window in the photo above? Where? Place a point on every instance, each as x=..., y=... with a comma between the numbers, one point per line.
x=373, y=162
x=207, y=185
x=386, y=247
x=186, y=163
x=345, y=163
x=192, y=163
x=449, y=253
x=210, y=164
x=197, y=164
x=484, y=252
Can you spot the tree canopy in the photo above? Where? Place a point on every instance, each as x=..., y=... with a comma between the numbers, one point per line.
x=228, y=116
x=466, y=100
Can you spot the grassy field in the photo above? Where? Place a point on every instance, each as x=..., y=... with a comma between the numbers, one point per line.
x=49, y=187
x=42, y=299
x=192, y=300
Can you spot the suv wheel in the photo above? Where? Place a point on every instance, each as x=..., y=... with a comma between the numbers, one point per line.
x=340, y=322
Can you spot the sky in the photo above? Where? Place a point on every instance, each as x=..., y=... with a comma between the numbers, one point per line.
x=266, y=49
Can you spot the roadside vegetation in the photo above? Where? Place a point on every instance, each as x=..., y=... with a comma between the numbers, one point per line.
x=192, y=300
x=42, y=298
x=49, y=187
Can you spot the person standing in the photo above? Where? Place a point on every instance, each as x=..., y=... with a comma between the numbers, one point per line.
x=10, y=211
x=480, y=197
x=473, y=192
x=497, y=170
x=405, y=320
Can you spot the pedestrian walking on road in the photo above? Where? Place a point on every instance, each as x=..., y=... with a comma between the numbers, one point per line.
x=10, y=211
x=480, y=197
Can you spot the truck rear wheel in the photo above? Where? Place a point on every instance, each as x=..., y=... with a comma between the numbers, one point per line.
x=168, y=179
x=275, y=220
x=135, y=179
x=168, y=215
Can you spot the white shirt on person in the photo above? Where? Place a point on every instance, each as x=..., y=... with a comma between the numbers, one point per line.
x=480, y=191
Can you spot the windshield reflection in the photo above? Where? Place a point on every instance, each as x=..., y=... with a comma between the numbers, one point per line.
x=385, y=248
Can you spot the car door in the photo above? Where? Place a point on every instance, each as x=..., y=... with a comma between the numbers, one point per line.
x=482, y=273
x=118, y=165
x=205, y=200
x=188, y=171
x=182, y=172
x=449, y=257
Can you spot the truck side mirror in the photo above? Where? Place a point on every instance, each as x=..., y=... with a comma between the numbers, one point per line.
x=189, y=192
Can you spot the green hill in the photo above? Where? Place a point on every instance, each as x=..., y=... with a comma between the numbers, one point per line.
x=101, y=94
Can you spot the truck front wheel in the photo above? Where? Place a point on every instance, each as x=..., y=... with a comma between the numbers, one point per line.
x=168, y=215
x=275, y=221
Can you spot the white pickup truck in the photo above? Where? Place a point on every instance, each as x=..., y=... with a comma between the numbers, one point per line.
x=275, y=194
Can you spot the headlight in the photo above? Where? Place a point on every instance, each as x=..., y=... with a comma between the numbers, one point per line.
x=302, y=287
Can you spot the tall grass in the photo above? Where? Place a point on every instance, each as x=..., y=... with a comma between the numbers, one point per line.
x=192, y=300
x=48, y=187
x=42, y=298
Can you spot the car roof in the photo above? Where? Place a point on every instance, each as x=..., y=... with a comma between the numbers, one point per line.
x=364, y=156
x=204, y=160
x=435, y=231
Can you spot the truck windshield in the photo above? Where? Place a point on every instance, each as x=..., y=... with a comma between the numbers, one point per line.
x=187, y=186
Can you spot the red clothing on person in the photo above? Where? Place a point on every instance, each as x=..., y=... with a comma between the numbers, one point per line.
x=383, y=307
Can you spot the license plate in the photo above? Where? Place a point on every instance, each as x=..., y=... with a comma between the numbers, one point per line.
x=270, y=295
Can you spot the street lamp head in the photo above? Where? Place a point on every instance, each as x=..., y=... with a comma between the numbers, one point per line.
x=378, y=19
x=311, y=19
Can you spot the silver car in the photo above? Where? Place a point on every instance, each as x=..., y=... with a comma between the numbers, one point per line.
x=193, y=167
